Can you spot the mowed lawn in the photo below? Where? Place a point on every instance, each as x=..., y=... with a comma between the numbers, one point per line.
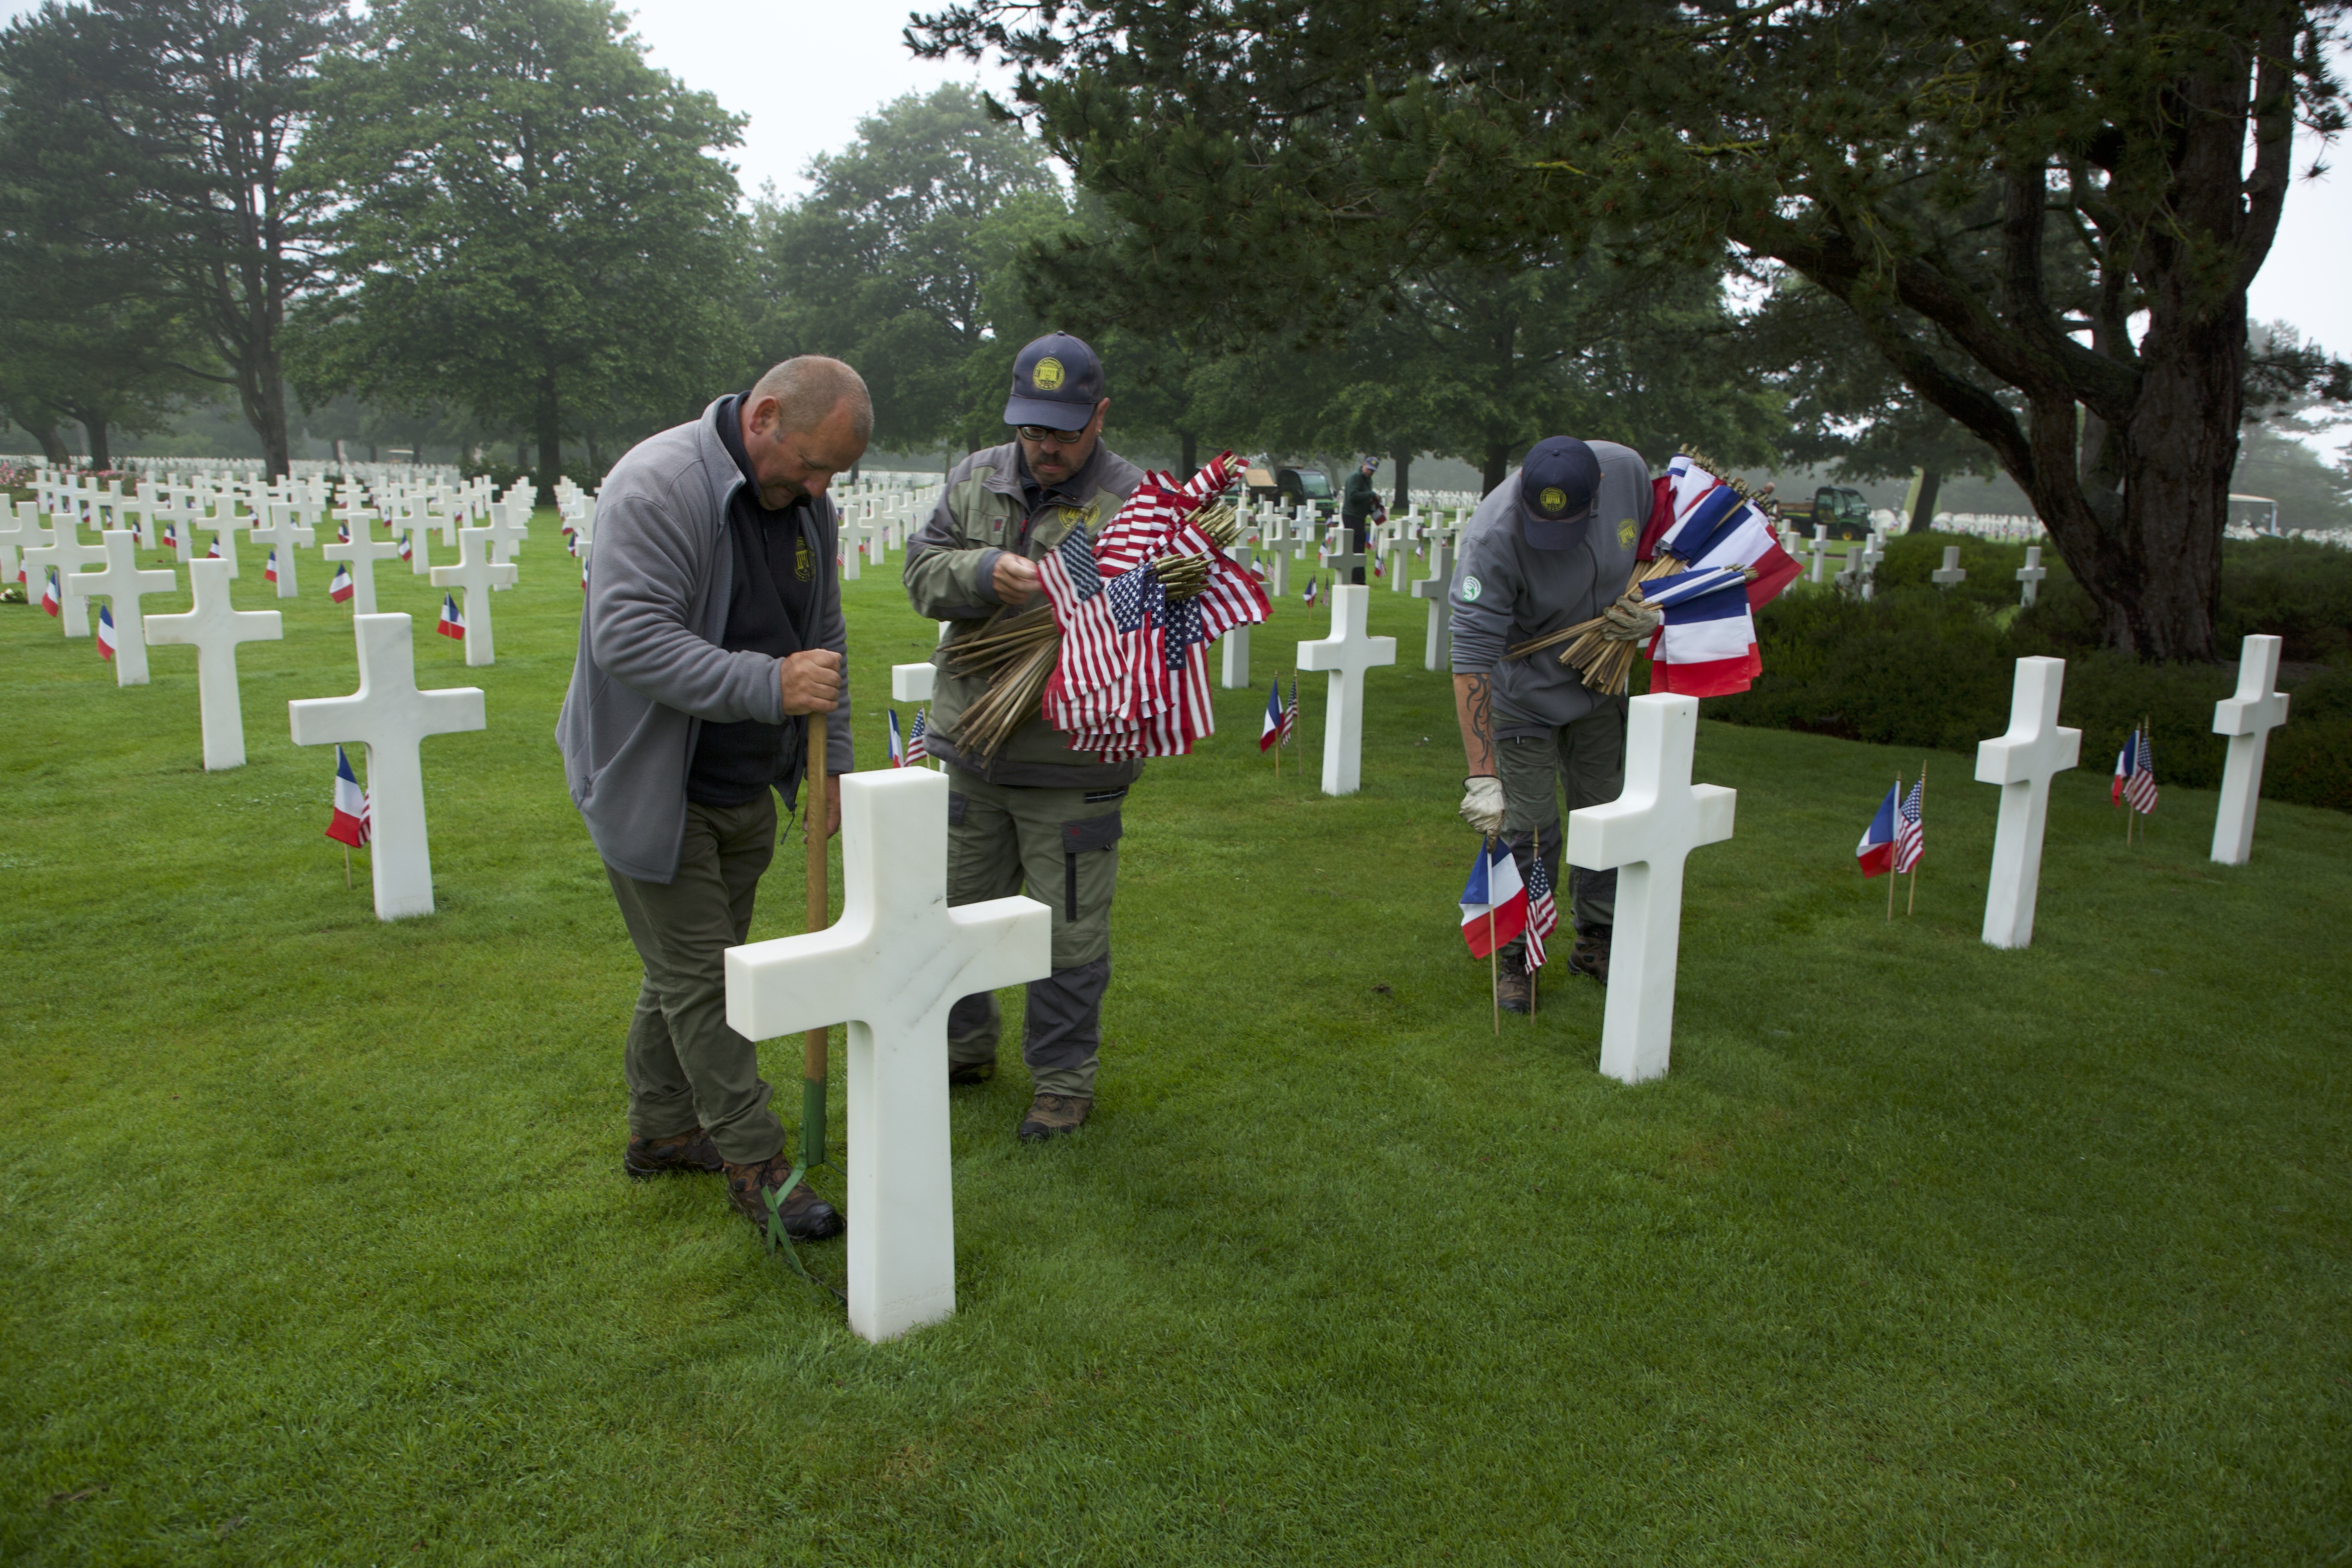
x=317, y=1249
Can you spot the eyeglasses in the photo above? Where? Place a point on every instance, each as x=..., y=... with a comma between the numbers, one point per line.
x=1060, y=437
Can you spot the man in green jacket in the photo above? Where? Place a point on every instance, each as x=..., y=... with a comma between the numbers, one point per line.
x=1033, y=816
x=1359, y=503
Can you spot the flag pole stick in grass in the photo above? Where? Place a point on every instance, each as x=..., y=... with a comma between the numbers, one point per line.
x=1890, y=881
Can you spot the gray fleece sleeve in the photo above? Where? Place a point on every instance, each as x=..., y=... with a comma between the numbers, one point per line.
x=639, y=597
x=1485, y=594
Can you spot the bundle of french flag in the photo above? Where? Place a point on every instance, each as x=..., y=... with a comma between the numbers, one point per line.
x=1706, y=645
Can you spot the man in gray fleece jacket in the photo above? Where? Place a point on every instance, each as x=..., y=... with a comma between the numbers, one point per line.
x=712, y=627
x=1549, y=547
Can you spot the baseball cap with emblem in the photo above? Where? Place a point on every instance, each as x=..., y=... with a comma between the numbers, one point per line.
x=1559, y=485
x=1056, y=382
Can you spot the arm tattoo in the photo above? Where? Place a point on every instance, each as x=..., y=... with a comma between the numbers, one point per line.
x=1481, y=713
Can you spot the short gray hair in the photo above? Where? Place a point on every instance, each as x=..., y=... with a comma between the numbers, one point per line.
x=809, y=388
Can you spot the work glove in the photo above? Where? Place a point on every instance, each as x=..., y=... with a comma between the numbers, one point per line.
x=1481, y=803
x=1629, y=620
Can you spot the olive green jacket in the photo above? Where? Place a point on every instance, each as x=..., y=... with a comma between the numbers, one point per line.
x=951, y=576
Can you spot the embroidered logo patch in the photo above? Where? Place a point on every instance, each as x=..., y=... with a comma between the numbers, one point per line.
x=1554, y=499
x=1047, y=376
x=1470, y=589
x=1625, y=532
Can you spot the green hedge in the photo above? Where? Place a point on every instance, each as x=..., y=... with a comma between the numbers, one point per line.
x=1920, y=666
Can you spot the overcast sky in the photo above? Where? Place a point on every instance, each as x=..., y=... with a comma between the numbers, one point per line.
x=804, y=70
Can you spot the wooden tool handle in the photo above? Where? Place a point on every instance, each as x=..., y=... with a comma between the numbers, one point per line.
x=816, y=812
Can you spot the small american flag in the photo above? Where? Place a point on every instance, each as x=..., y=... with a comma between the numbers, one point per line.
x=2136, y=773
x=916, y=750
x=1910, y=835
x=1543, y=912
x=1290, y=714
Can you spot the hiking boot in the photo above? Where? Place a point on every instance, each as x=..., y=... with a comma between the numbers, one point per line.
x=807, y=1217
x=690, y=1153
x=1590, y=954
x=962, y=1073
x=1054, y=1116
x=1514, y=982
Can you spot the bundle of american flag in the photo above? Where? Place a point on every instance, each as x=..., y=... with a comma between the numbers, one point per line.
x=1117, y=657
x=1709, y=560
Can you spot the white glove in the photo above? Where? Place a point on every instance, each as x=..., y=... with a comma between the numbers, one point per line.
x=1481, y=803
x=1630, y=620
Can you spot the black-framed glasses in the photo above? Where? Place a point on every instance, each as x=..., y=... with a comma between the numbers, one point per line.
x=1061, y=438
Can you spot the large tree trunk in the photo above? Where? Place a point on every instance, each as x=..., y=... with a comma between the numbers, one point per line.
x=1497, y=463
x=52, y=445
x=1403, y=494
x=547, y=423
x=101, y=451
x=1923, y=511
x=261, y=391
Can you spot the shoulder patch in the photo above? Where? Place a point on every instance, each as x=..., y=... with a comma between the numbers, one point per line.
x=1626, y=533
x=1470, y=589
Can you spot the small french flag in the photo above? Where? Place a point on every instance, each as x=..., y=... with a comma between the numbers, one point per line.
x=407, y=548
x=350, y=824
x=50, y=600
x=106, y=631
x=1270, y=730
x=453, y=624
x=213, y=553
x=1493, y=901
x=1309, y=595
x=898, y=748
x=270, y=571
x=1875, y=853
x=343, y=587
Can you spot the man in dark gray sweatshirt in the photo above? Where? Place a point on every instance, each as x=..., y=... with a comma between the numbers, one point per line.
x=713, y=627
x=1550, y=546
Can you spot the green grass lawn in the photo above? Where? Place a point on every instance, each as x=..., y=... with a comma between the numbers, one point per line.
x=318, y=1250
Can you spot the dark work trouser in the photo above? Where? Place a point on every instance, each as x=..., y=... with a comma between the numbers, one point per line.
x=1060, y=847
x=684, y=1064
x=1585, y=760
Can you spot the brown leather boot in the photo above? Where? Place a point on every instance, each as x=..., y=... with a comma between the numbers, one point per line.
x=1590, y=954
x=1055, y=1116
x=1514, y=982
x=688, y=1154
x=807, y=1217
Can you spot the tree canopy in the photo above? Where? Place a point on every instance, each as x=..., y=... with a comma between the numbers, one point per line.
x=2043, y=218
x=529, y=221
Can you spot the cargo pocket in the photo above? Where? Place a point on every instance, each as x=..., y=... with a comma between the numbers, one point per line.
x=958, y=803
x=1083, y=837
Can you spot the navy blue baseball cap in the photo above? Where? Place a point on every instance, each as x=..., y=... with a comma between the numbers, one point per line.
x=1559, y=486
x=1056, y=382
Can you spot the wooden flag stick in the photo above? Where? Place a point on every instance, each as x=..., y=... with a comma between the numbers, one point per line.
x=1280, y=738
x=812, y=1056
x=1494, y=964
x=1531, y=932
x=1912, y=902
x=1898, y=838
x=347, y=865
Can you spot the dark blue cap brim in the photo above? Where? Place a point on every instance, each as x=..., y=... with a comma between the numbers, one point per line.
x=1556, y=532
x=1050, y=413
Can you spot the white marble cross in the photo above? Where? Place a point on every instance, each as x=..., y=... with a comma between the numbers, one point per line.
x=891, y=967
x=1232, y=648
x=1821, y=556
x=2248, y=719
x=2031, y=573
x=1951, y=572
x=510, y=530
x=391, y=717
x=476, y=575
x=67, y=554
x=361, y=554
x=1346, y=654
x=214, y=628
x=281, y=535
x=1645, y=834
x=225, y=537
x=2022, y=761
x=1437, y=648
x=20, y=529
x=122, y=584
